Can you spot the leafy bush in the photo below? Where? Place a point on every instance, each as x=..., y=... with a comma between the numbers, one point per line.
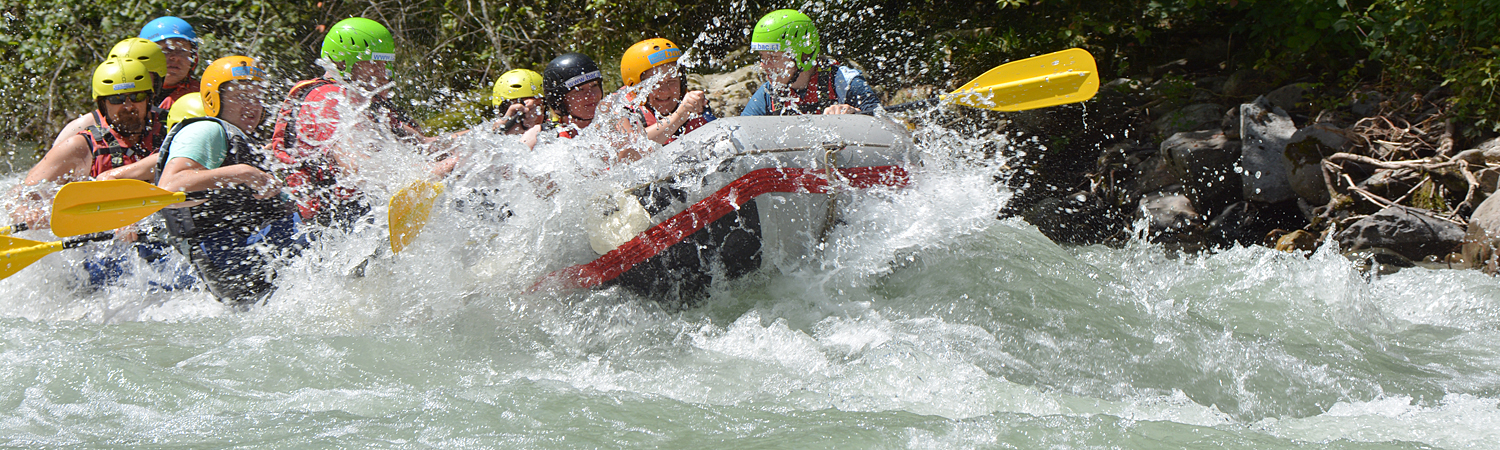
x=449, y=51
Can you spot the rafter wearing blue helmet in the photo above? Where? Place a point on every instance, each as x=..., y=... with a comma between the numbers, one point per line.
x=180, y=44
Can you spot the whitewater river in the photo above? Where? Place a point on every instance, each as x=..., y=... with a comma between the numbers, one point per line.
x=926, y=324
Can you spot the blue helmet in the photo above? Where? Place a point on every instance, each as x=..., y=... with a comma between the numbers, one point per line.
x=167, y=27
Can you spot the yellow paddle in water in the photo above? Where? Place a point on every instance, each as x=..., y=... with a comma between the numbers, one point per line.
x=1057, y=78
x=409, y=210
x=17, y=253
x=92, y=206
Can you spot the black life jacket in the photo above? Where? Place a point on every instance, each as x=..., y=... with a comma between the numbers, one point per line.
x=108, y=150
x=233, y=209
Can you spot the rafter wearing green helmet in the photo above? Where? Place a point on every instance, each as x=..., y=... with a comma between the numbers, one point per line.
x=799, y=79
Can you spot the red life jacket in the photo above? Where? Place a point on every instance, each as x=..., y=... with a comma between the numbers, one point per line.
x=166, y=97
x=648, y=118
x=108, y=150
x=308, y=172
x=819, y=95
x=312, y=176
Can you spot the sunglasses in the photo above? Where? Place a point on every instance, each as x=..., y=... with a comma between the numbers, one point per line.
x=134, y=97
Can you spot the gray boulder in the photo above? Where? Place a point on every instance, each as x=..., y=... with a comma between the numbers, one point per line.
x=1170, y=211
x=1194, y=117
x=728, y=93
x=1483, y=235
x=1231, y=124
x=1366, y=104
x=1289, y=96
x=1304, y=154
x=1406, y=231
x=1265, y=131
x=1204, y=162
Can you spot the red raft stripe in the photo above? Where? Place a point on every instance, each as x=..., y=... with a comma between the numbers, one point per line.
x=729, y=198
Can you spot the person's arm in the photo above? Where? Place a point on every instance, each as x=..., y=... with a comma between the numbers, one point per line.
x=61, y=164
x=73, y=128
x=529, y=139
x=186, y=175
x=691, y=106
x=66, y=162
x=143, y=169
x=193, y=165
x=855, y=92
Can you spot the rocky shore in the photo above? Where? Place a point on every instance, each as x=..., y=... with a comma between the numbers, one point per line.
x=1214, y=161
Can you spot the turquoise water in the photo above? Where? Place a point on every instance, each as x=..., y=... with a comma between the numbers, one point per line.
x=926, y=324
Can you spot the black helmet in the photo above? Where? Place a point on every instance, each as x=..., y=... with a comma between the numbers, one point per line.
x=565, y=73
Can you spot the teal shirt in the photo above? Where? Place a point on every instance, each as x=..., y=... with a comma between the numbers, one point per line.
x=203, y=142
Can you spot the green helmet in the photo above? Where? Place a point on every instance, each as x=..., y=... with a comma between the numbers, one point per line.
x=790, y=31
x=359, y=39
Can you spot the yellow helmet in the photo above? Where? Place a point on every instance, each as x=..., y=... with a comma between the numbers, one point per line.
x=224, y=70
x=186, y=107
x=646, y=55
x=519, y=83
x=142, y=50
x=120, y=76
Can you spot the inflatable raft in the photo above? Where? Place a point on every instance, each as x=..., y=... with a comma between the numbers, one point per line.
x=765, y=194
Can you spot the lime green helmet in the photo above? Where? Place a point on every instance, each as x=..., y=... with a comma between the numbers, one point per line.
x=790, y=31
x=359, y=39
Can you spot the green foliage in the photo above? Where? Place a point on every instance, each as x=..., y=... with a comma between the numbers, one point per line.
x=449, y=51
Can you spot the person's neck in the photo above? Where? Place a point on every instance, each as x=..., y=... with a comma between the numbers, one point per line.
x=803, y=79
x=129, y=139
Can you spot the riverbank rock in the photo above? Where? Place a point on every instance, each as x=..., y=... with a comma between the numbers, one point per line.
x=1405, y=231
x=1304, y=153
x=1483, y=236
x=1200, y=116
x=1265, y=131
x=1289, y=97
x=729, y=92
x=1171, y=218
x=1204, y=161
x=1080, y=218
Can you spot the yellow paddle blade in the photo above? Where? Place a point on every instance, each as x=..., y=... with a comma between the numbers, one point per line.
x=1058, y=78
x=409, y=210
x=93, y=206
x=17, y=253
x=12, y=229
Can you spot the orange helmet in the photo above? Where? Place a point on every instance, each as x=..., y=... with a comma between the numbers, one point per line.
x=646, y=55
x=224, y=70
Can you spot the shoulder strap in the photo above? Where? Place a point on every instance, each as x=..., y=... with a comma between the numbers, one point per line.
x=100, y=139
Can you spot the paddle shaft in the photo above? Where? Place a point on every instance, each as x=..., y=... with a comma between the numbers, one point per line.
x=12, y=229
x=905, y=106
